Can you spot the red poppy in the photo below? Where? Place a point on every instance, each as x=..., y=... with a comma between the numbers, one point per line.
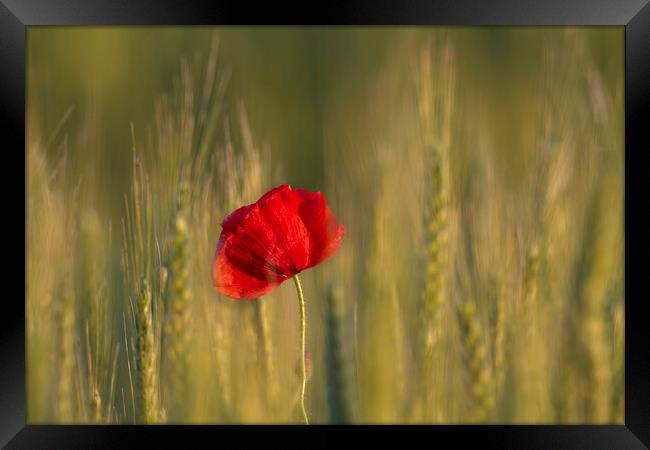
x=263, y=244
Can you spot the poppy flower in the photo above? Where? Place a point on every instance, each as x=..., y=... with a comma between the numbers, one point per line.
x=263, y=244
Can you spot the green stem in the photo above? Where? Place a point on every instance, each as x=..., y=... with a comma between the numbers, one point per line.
x=301, y=301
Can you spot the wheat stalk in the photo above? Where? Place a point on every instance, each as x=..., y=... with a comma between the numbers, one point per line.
x=435, y=100
x=337, y=370
x=177, y=325
x=265, y=348
x=145, y=358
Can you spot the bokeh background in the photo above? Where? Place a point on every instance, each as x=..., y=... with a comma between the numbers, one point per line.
x=478, y=171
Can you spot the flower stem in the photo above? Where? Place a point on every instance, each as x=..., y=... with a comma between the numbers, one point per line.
x=301, y=301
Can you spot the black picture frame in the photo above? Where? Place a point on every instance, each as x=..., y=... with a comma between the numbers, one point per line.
x=634, y=15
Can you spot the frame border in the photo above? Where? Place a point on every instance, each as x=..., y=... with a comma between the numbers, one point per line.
x=634, y=15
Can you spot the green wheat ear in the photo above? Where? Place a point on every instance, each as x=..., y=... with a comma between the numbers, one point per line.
x=177, y=325
x=598, y=265
x=480, y=378
x=65, y=316
x=436, y=91
x=145, y=358
x=499, y=346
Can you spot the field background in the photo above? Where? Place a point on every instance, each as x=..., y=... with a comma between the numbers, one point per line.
x=479, y=173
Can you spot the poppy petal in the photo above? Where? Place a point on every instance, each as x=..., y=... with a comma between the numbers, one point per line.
x=272, y=192
x=253, y=248
x=235, y=218
x=327, y=233
x=290, y=233
x=235, y=283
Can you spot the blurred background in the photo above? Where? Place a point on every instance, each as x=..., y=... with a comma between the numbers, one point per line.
x=478, y=172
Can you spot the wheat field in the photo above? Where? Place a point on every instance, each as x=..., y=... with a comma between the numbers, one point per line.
x=479, y=173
